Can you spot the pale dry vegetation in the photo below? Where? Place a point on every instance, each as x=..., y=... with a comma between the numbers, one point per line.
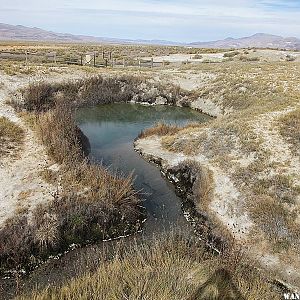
x=256, y=142
x=159, y=129
x=290, y=129
x=239, y=86
x=276, y=222
x=162, y=129
x=166, y=268
x=11, y=137
x=231, y=54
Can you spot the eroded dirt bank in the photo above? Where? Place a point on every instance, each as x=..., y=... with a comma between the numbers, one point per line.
x=251, y=151
x=224, y=215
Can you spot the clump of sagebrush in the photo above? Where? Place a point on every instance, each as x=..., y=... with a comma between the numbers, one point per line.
x=41, y=96
x=11, y=137
x=167, y=267
x=197, y=56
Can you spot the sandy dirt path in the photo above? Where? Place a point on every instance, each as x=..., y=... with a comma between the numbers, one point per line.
x=21, y=185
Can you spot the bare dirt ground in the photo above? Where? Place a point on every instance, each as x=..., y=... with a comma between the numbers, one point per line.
x=178, y=58
x=21, y=184
x=261, y=54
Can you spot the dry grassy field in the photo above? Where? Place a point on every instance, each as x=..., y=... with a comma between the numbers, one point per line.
x=247, y=158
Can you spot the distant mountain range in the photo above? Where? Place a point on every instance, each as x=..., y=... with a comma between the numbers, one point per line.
x=258, y=40
x=23, y=33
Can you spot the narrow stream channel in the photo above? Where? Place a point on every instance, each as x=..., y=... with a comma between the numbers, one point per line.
x=111, y=130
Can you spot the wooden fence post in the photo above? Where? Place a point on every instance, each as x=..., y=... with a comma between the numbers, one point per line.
x=152, y=62
x=26, y=57
x=140, y=63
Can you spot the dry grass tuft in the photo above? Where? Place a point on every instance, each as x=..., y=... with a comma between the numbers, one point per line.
x=166, y=268
x=167, y=131
x=59, y=133
x=11, y=137
x=276, y=223
x=204, y=188
x=290, y=129
x=159, y=129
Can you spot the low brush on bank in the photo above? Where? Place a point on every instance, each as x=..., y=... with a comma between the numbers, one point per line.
x=162, y=129
x=91, y=204
x=290, y=129
x=172, y=267
x=11, y=137
x=159, y=129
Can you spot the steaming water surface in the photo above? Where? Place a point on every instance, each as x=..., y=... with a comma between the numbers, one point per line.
x=111, y=130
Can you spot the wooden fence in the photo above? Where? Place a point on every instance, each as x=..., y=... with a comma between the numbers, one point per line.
x=93, y=59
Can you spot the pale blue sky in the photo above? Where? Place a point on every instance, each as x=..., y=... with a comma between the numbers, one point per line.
x=189, y=20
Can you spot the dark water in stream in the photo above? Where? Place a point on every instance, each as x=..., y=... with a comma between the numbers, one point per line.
x=111, y=130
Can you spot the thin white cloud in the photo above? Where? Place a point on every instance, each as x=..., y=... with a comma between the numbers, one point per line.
x=175, y=19
x=243, y=8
